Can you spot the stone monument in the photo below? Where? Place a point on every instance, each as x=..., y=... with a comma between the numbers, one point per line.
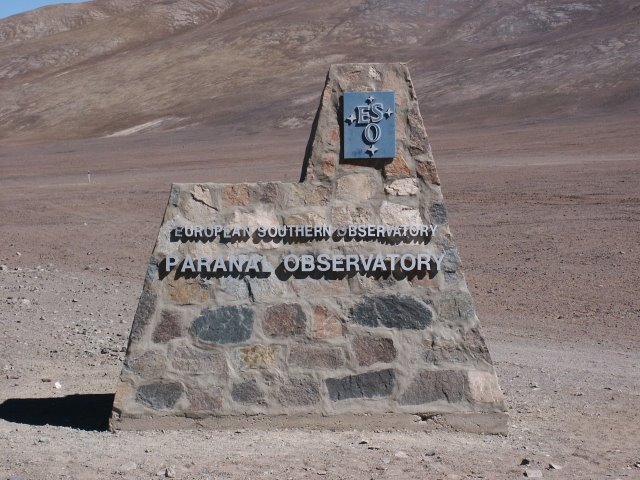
x=318, y=301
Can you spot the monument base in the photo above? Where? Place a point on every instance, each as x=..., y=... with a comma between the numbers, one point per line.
x=338, y=301
x=485, y=423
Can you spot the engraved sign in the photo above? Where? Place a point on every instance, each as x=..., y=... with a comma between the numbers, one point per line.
x=369, y=125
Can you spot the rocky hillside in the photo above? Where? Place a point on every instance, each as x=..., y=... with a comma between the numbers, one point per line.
x=118, y=67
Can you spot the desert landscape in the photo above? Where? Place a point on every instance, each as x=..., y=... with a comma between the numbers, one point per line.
x=532, y=110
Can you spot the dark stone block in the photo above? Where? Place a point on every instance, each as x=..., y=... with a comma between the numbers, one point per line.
x=284, y=320
x=224, y=325
x=169, y=327
x=456, y=306
x=150, y=365
x=431, y=386
x=247, y=392
x=159, y=396
x=438, y=214
x=392, y=311
x=364, y=385
x=299, y=392
x=370, y=349
x=146, y=308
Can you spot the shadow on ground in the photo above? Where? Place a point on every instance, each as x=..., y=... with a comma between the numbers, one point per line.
x=85, y=412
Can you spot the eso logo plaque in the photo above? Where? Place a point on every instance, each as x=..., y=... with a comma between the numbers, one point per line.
x=369, y=125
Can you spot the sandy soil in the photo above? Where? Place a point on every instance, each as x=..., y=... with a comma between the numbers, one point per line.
x=548, y=232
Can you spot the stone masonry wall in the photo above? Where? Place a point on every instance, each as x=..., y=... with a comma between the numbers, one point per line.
x=212, y=345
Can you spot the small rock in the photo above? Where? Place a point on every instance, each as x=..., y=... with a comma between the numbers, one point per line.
x=381, y=467
x=4, y=268
x=42, y=317
x=57, y=385
x=525, y=461
x=637, y=464
x=46, y=380
x=321, y=472
x=167, y=472
x=75, y=300
x=554, y=466
x=533, y=473
x=18, y=254
x=363, y=442
x=127, y=467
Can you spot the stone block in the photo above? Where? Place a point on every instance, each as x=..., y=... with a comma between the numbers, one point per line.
x=456, y=306
x=397, y=214
x=195, y=361
x=316, y=357
x=306, y=287
x=266, y=289
x=299, y=392
x=392, y=311
x=247, y=392
x=472, y=341
x=207, y=399
x=484, y=388
x=328, y=163
x=233, y=288
x=370, y=349
x=403, y=187
x=186, y=291
x=427, y=172
x=230, y=324
x=431, y=386
x=397, y=168
x=358, y=186
x=308, y=218
x=258, y=356
x=349, y=215
x=438, y=214
x=326, y=323
x=151, y=364
x=144, y=312
x=236, y=195
x=269, y=193
x=159, y=396
x=202, y=195
x=365, y=385
x=284, y=320
x=169, y=327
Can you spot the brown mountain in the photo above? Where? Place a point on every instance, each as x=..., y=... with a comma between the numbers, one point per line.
x=120, y=67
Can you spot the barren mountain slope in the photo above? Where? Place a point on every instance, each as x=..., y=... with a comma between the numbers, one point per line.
x=115, y=66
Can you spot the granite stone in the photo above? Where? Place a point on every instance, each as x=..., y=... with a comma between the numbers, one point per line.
x=392, y=311
x=159, y=396
x=168, y=328
x=229, y=324
x=247, y=392
x=363, y=385
x=434, y=385
x=284, y=320
x=371, y=349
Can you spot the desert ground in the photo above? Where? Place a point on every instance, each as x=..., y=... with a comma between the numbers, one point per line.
x=532, y=111
x=548, y=234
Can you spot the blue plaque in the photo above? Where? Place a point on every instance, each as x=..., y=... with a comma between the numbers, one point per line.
x=369, y=123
